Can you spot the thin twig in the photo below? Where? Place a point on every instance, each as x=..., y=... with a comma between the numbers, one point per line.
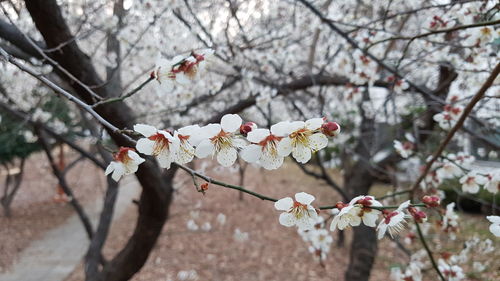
x=121, y=98
x=429, y=252
x=477, y=97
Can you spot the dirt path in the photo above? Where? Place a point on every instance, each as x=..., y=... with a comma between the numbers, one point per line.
x=56, y=254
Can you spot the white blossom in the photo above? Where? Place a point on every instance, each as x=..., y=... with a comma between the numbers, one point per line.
x=495, y=225
x=126, y=162
x=298, y=211
x=303, y=139
x=158, y=143
x=221, y=140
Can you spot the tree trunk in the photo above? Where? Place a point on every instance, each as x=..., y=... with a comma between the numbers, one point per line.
x=364, y=243
x=156, y=188
x=358, y=179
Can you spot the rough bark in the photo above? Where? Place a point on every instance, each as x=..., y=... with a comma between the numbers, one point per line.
x=358, y=179
x=156, y=189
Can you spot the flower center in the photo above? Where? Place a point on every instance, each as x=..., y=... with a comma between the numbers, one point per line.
x=222, y=140
x=269, y=144
x=161, y=143
x=122, y=155
x=299, y=210
x=388, y=217
x=300, y=136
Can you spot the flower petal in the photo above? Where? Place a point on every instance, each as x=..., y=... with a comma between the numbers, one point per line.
x=165, y=159
x=301, y=153
x=369, y=219
x=495, y=229
x=304, y=198
x=251, y=153
x=145, y=146
x=284, y=204
x=182, y=78
x=270, y=161
x=110, y=168
x=318, y=141
x=137, y=159
x=210, y=130
x=145, y=130
x=287, y=219
x=227, y=156
x=381, y=229
x=231, y=122
x=494, y=219
x=258, y=135
x=315, y=123
x=189, y=130
x=204, y=149
x=281, y=129
x=284, y=147
x=184, y=154
x=118, y=172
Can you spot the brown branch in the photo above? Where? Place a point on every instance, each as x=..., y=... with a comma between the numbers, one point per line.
x=475, y=99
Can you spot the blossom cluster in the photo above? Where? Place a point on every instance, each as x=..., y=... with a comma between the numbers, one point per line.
x=361, y=209
x=224, y=141
x=455, y=166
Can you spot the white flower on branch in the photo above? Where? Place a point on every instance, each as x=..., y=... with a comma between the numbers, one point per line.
x=181, y=69
x=471, y=181
x=263, y=147
x=158, y=143
x=493, y=183
x=221, y=140
x=303, y=139
x=298, y=211
x=393, y=221
x=495, y=225
x=404, y=149
x=187, y=137
x=126, y=162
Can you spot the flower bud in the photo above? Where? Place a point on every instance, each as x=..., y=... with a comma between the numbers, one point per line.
x=341, y=205
x=247, y=128
x=204, y=186
x=418, y=215
x=431, y=201
x=330, y=129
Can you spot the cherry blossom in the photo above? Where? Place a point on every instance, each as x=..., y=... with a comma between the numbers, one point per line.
x=187, y=137
x=448, y=117
x=413, y=272
x=450, y=220
x=263, y=147
x=126, y=162
x=450, y=272
x=368, y=214
x=303, y=139
x=495, y=225
x=158, y=143
x=471, y=181
x=493, y=183
x=404, y=149
x=298, y=211
x=347, y=216
x=448, y=170
x=221, y=141
x=181, y=69
x=393, y=221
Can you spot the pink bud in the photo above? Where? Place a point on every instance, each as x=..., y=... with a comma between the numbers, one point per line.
x=247, y=128
x=330, y=129
x=431, y=201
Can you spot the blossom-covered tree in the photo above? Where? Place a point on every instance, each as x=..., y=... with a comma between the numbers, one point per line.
x=371, y=88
